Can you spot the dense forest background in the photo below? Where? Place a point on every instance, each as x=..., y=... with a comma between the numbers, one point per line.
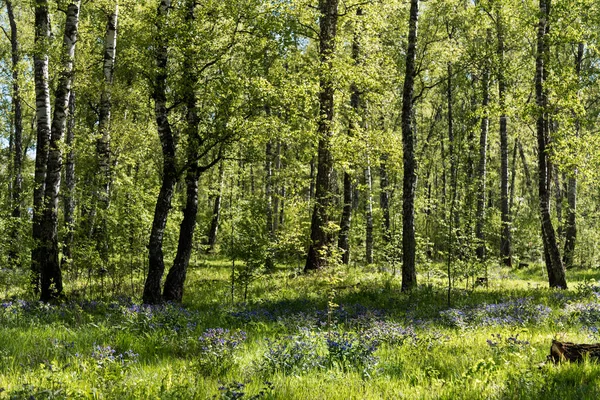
x=435, y=137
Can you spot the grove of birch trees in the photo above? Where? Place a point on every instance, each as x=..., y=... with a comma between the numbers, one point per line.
x=429, y=138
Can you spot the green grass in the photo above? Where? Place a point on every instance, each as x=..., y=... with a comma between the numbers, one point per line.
x=48, y=351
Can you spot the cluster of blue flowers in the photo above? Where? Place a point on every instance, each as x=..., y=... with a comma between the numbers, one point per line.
x=216, y=349
x=350, y=351
x=518, y=312
x=587, y=314
x=296, y=353
x=389, y=332
x=170, y=317
x=105, y=355
x=355, y=315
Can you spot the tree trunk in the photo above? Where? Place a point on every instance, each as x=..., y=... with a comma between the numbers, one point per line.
x=102, y=191
x=355, y=104
x=17, y=142
x=43, y=110
x=571, y=225
x=269, y=263
x=156, y=264
x=281, y=198
x=276, y=198
x=528, y=182
x=51, y=276
x=513, y=174
x=311, y=187
x=409, y=272
x=345, y=223
x=319, y=236
x=174, y=284
x=368, y=215
x=451, y=142
x=214, y=222
x=558, y=198
x=482, y=167
x=69, y=190
x=505, y=237
x=554, y=265
x=384, y=198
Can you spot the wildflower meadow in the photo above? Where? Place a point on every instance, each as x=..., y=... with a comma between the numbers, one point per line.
x=298, y=338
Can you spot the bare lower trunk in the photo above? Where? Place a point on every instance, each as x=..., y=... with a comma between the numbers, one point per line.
x=384, y=198
x=43, y=119
x=513, y=174
x=216, y=214
x=571, y=224
x=368, y=215
x=452, y=144
x=345, y=223
x=51, y=276
x=505, y=237
x=156, y=264
x=69, y=190
x=482, y=168
x=281, y=198
x=269, y=263
x=311, y=187
x=102, y=191
x=554, y=265
x=409, y=272
x=320, y=237
x=277, y=199
x=17, y=142
x=174, y=284
x=558, y=199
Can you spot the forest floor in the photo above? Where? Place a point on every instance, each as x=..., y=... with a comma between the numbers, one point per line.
x=339, y=334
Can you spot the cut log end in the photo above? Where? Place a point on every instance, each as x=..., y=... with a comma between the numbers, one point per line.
x=573, y=352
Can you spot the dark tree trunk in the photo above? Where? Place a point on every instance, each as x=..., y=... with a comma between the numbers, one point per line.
x=102, y=191
x=269, y=263
x=554, y=265
x=528, y=182
x=409, y=272
x=513, y=174
x=174, y=284
x=17, y=135
x=368, y=215
x=482, y=167
x=276, y=193
x=558, y=198
x=451, y=141
x=69, y=190
x=571, y=225
x=505, y=237
x=344, y=239
x=355, y=100
x=43, y=119
x=319, y=236
x=384, y=198
x=156, y=264
x=51, y=276
x=311, y=187
x=216, y=214
x=281, y=198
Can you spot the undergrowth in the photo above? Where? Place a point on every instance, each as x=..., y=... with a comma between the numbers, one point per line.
x=293, y=339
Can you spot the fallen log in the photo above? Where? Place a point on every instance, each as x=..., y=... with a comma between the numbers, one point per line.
x=573, y=352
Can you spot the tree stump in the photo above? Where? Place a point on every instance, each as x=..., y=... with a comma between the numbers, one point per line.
x=573, y=352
